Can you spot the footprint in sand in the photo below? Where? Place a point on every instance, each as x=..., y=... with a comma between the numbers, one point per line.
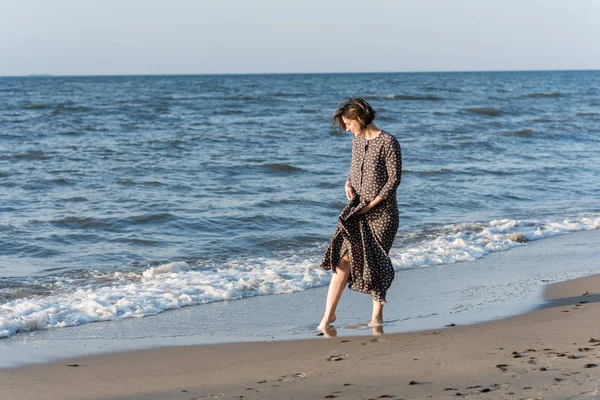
x=503, y=367
x=292, y=378
x=337, y=357
x=373, y=341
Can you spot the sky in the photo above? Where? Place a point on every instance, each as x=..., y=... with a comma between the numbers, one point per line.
x=111, y=37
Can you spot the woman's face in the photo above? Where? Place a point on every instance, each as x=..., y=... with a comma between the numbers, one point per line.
x=352, y=125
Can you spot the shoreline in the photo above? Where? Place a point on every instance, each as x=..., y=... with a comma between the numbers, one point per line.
x=536, y=355
x=549, y=352
x=496, y=287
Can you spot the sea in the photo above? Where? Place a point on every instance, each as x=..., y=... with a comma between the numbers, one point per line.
x=128, y=196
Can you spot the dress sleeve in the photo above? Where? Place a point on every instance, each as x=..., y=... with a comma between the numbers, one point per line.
x=393, y=165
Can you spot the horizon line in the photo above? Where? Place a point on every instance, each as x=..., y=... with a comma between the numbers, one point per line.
x=50, y=75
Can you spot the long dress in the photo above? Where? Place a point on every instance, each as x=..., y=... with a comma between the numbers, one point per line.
x=375, y=170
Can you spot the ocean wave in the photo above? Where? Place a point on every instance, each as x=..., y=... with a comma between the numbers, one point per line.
x=63, y=108
x=238, y=97
x=489, y=112
x=589, y=114
x=26, y=250
x=136, y=241
x=34, y=106
x=177, y=144
x=542, y=95
x=494, y=172
x=82, y=223
x=76, y=199
x=446, y=171
x=441, y=89
x=111, y=223
x=471, y=241
x=542, y=120
x=45, y=184
x=298, y=201
x=278, y=167
x=156, y=290
x=70, y=133
x=523, y=133
x=229, y=111
x=30, y=155
x=441, y=171
x=7, y=228
x=119, y=295
x=288, y=94
x=404, y=97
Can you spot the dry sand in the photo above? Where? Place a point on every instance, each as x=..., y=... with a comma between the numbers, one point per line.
x=550, y=353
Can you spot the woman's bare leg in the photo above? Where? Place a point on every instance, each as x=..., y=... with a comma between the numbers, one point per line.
x=336, y=287
x=377, y=318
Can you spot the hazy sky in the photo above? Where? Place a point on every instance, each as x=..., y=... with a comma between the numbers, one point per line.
x=81, y=37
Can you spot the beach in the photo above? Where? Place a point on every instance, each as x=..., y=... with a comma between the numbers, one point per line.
x=162, y=235
x=173, y=192
x=548, y=353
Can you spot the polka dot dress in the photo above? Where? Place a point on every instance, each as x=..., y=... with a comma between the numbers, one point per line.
x=375, y=171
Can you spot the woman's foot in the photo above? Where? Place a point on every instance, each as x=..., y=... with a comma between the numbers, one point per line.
x=325, y=322
x=378, y=330
x=329, y=331
x=376, y=322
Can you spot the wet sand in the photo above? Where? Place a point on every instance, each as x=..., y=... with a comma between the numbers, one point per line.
x=550, y=353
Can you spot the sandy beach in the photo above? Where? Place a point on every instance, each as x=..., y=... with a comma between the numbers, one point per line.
x=549, y=353
x=180, y=181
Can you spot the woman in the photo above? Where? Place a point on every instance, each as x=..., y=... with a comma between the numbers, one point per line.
x=358, y=251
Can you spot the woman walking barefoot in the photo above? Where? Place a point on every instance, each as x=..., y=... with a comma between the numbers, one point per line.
x=358, y=251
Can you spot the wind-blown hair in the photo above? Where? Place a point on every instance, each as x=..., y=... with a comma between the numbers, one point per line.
x=353, y=108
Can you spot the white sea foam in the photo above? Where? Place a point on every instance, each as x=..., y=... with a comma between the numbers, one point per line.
x=470, y=241
x=178, y=284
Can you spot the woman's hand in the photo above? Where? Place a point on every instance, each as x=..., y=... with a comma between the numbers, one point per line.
x=366, y=208
x=371, y=205
x=349, y=192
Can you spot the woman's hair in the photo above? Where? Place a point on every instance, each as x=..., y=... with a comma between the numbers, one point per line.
x=353, y=108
